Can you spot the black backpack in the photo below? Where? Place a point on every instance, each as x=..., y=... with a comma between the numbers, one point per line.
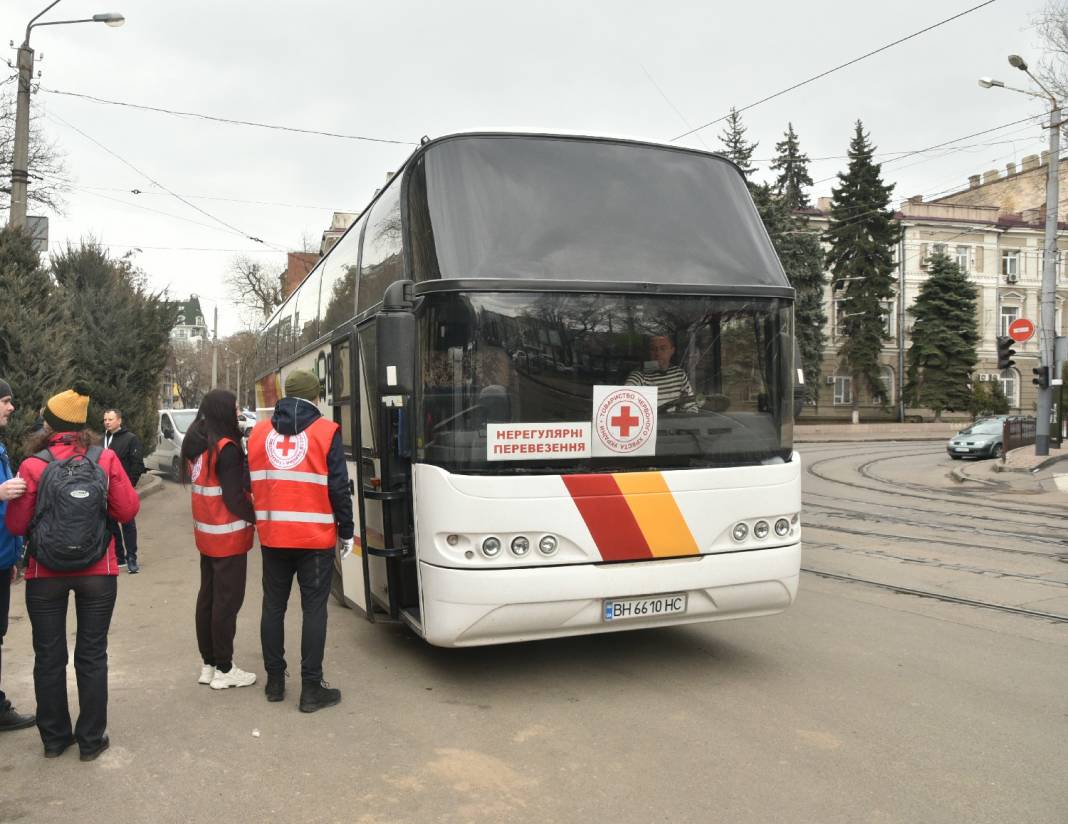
x=69, y=530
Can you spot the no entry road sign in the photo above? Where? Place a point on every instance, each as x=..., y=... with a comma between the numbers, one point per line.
x=1021, y=330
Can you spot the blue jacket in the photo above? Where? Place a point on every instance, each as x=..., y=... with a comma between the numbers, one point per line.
x=10, y=545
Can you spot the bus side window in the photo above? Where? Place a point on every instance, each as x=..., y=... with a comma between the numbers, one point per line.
x=382, y=261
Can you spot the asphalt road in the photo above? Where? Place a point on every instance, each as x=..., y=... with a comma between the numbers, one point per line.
x=859, y=704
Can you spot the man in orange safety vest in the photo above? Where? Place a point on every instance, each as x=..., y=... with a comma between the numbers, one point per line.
x=300, y=490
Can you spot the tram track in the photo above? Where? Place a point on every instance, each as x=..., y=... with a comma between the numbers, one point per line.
x=933, y=563
x=813, y=470
x=809, y=524
x=938, y=596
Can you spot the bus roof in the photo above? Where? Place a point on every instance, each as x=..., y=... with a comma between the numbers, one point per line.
x=509, y=205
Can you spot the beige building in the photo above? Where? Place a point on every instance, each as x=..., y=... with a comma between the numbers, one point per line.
x=994, y=229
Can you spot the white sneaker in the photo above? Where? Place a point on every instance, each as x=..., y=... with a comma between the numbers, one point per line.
x=207, y=672
x=234, y=678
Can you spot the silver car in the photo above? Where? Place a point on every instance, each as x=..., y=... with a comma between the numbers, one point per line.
x=983, y=439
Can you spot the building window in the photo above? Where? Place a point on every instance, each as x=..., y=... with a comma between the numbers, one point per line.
x=843, y=390
x=1008, y=315
x=939, y=249
x=887, y=376
x=1010, y=263
x=888, y=318
x=1010, y=384
x=839, y=317
x=962, y=257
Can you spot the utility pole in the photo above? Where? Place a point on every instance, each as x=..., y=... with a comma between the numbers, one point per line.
x=1048, y=296
x=240, y=402
x=215, y=351
x=901, y=328
x=21, y=156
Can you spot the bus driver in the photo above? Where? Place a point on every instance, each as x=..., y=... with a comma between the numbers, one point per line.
x=672, y=385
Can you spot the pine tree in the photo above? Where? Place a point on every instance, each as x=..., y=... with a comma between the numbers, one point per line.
x=119, y=334
x=792, y=165
x=862, y=236
x=34, y=351
x=735, y=146
x=942, y=355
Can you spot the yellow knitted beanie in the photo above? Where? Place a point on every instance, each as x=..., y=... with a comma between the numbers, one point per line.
x=67, y=411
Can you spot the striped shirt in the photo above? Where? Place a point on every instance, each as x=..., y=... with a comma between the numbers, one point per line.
x=671, y=384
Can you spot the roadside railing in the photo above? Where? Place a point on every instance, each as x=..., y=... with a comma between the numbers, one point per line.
x=1017, y=433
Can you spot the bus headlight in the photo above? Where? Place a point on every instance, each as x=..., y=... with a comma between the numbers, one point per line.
x=739, y=532
x=760, y=530
x=547, y=545
x=491, y=547
x=782, y=526
x=520, y=546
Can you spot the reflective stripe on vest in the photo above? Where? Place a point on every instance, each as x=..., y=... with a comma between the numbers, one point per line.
x=216, y=532
x=290, y=490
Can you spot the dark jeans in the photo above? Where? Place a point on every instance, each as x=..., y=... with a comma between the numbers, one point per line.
x=314, y=569
x=125, y=540
x=94, y=602
x=5, y=605
x=222, y=592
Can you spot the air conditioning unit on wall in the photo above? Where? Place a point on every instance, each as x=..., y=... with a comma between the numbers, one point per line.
x=1012, y=277
x=830, y=380
x=984, y=376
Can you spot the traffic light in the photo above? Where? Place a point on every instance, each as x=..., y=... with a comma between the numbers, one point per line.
x=1005, y=352
x=1041, y=377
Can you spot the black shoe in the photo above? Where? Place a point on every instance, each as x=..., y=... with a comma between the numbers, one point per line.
x=91, y=755
x=56, y=750
x=276, y=686
x=315, y=695
x=132, y=567
x=11, y=720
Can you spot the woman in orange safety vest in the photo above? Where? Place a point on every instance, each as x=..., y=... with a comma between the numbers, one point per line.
x=223, y=527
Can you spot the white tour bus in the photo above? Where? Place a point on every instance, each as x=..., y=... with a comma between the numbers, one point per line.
x=563, y=370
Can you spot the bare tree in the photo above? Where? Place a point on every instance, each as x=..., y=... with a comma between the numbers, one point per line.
x=189, y=371
x=255, y=288
x=48, y=174
x=1051, y=24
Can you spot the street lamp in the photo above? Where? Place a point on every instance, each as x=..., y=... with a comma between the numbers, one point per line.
x=20, y=156
x=1047, y=294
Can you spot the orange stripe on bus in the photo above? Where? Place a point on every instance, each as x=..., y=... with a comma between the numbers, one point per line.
x=657, y=513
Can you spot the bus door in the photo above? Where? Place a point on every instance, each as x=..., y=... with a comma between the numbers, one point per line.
x=350, y=585
x=384, y=488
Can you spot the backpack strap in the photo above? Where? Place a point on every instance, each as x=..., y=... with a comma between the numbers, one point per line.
x=44, y=455
x=93, y=453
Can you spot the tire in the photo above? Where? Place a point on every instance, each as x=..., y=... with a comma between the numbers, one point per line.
x=996, y=451
x=955, y=457
x=176, y=470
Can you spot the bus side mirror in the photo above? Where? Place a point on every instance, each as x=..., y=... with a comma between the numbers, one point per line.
x=395, y=341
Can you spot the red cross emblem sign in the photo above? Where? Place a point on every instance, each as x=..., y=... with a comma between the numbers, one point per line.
x=624, y=420
x=286, y=451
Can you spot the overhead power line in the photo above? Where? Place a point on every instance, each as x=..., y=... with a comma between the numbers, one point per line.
x=155, y=182
x=232, y=121
x=823, y=74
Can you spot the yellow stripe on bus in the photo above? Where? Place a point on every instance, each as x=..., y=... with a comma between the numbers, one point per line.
x=657, y=513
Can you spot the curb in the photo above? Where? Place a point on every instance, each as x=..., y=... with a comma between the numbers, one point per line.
x=149, y=485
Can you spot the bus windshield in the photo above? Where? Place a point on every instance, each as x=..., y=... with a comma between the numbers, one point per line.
x=721, y=368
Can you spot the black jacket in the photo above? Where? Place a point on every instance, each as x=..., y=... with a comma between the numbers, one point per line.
x=127, y=446
x=294, y=415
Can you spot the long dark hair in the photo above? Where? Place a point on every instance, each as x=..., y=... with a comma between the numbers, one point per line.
x=216, y=418
x=36, y=441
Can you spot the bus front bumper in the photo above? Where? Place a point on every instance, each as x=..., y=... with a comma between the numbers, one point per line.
x=465, y=607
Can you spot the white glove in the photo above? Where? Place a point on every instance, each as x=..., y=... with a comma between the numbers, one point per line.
x=345, y=546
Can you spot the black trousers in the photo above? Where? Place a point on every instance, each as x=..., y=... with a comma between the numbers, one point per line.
x=46, y=603
x=222, y=592
x=5, y=605
x=125, y=540
x=314, y=569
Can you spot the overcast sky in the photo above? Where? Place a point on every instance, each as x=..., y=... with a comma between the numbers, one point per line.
x=403, y=69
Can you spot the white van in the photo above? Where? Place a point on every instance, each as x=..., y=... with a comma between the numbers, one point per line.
x=170, y=430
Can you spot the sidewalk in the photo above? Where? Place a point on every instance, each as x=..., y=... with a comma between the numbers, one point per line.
x=829, y=432
x=1021, y=471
